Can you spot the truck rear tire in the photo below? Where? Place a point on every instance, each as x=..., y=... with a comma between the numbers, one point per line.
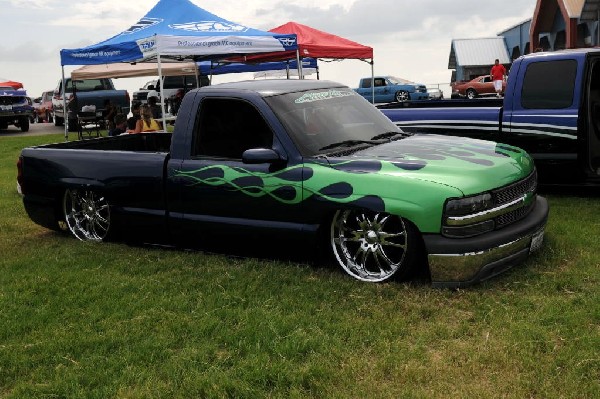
x=87, y=214
x=58, y=121
x=24, y=123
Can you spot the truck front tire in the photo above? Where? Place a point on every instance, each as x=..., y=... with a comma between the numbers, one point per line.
x=402, y=96
x=373, y=246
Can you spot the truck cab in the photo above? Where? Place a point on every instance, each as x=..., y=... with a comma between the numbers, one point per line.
x=551, y=109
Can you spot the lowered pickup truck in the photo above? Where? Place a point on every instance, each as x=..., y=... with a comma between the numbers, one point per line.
x=298, y=159
x=551, y=108
x=389, y=88
x=86, y=92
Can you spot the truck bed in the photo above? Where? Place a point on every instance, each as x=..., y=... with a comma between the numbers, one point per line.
x=143, y=142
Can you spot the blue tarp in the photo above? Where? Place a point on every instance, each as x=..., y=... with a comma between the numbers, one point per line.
x=205, y=67
x=179, y=28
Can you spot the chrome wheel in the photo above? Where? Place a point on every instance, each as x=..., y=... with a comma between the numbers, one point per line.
x=402, y=96
x=87, y=214
x=370, y=246
x=471, y=94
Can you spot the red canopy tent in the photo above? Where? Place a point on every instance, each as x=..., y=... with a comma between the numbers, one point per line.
x=11, y=83
x=316, y=44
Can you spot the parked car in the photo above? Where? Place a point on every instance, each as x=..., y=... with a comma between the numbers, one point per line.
x=43, y=109
x=141, y=96
x=35, y=103
x=388, y=89
x=480, y=86
x=86, y=93
x=435, y=93
x=15, y=109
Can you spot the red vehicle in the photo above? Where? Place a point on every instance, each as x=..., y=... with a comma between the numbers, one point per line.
x=44, y=110
x=480, y=86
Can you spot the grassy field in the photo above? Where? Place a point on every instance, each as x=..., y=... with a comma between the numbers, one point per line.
x=81, y=320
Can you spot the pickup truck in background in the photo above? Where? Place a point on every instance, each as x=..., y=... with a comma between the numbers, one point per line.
x=389, y=89
x=15, y=109
x=551, y=109
x=86, y=92
x=306, y=160
x=141, y=96
x=172, y=84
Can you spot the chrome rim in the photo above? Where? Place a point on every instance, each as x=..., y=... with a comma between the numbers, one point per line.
x=87, y=214
x=402, y=96
x=369, y=246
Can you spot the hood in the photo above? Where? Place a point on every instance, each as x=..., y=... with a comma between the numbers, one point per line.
x=469, y=165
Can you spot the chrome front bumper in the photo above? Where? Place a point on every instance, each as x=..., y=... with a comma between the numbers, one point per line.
x=459, y=262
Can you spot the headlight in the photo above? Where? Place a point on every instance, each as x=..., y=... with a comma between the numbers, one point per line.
x=459, y=220
x=468, y=205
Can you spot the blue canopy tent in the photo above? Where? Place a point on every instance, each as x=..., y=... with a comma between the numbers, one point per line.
x=207, y=68
x=210, y=68
x=180, y=30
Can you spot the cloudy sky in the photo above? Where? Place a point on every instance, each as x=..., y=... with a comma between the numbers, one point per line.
x=411, y=38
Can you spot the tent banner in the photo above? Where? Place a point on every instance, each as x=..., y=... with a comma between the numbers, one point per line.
x=210, y=45
x=124, y=52
x=210, y=68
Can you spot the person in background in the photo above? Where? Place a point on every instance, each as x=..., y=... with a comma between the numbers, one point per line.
x=176, y=101
x=498, y=74
x=120, y=125
x=110, y=111
x=154, y=107
x=147, y=123
x=131, y=122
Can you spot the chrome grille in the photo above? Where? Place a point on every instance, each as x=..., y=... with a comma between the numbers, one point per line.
x=512, y=192
x=513, y=216
x=516, y=190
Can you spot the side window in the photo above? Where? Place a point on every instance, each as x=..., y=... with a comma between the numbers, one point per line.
x=173, y=82
x=226, y=128
x=549, y=85
x=365, y=83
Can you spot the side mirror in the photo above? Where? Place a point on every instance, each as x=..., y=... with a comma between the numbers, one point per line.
x=260, y=155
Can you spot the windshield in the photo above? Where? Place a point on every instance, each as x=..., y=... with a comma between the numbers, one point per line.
x=398, y=81
x=318, y=119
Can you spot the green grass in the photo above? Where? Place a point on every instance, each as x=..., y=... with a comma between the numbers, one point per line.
x=79, y=320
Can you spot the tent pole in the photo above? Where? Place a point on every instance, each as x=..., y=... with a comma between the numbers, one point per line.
x=372, y=81
x=65, y=111
x=197, y=70
x=300, y=75
x=162, y=93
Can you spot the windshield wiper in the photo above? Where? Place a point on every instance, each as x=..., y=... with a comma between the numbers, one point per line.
x=347, y=143
x=389, y=135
